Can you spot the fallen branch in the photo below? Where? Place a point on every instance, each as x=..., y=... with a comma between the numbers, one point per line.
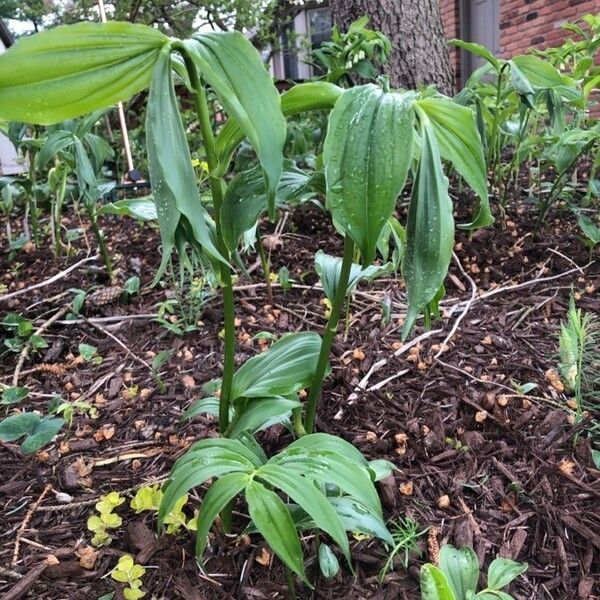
x=26, y=522
x=50, y=281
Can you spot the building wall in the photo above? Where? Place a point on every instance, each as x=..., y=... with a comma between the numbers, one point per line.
x=523, y=24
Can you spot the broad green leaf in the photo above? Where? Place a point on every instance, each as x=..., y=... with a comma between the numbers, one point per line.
x=260, y=413
x=234, y=69
x=429, y=230
x=170, y=164
x=502, y=571
x=478, y=50
x=357, y=517
x=329, y=268
x=217, y=497
x=434, y=585
x=54, y=143
x=539, y=73
x=301, y=98
x=461, y=569
x=521, y=84
x=205, y=459
x=327, y=467
x=287, y=367
x=311, y=499
x=333, y=443
x=38, y=431
x=367, y=154
x=246, y=199
x=459, y=142
x=381, y=468
x=143, y=209
x=275, y=524
x=14, y=395
x=328, y=562
x=202, y=406
x=495, y=595
x=75, y=69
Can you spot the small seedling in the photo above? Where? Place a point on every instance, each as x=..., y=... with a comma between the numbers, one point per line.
x=77, y=407
x=457, y=577
x=90, y=354
x=106, y=519
x=406, y=534
x=149, y=498
x=22, y=331
x=128, y=572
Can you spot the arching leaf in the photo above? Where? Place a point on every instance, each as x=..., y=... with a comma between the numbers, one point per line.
x=367, y=154
x=233, y=68
x=76, y=69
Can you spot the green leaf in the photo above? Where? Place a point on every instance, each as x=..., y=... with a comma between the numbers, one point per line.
x=502, y=571
x=596, y=458
x=72, y=70
x=38, y=431
x=458, y=139
x=275, y=524
x=327, y=467
x=217, y=497
x=478, y=50
x=538, y=72
x=434, y=585
x=461, y=569
x=202, y=406
x=234, y=69
x=301, y=98
x=367, y=154
x=357, y=517
x=332, y=443
x=287, y=367
x=311, y=499
x=328, y=562
x=143, y=209
x=429, y=230
x=14, y=395
x=260, y=412
x=329, y=269
x=170, y=164
x=54, y=143
x=246, y=199
x=205, y=459
x=87, y=352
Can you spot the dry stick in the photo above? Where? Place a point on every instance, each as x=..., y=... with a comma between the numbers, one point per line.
x=115, y=319
x=26, y=521
x=48, y=281
x=465, y=310
x=38, y=332
x=118, y=341
x=362, y=384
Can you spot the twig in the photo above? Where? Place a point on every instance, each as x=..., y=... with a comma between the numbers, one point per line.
x=113, y=337
x=52, y=279
x=26, y=522
x=39, y=331
x=466, y=309
x=115, y=319
x=362, y=384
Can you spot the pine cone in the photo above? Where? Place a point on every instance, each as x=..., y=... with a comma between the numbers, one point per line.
x=104, y=295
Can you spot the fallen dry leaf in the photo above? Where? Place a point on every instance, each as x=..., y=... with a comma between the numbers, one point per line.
x=263, y=557
x=443, y=501
x=481, y=416
x=407, y=488
x=358, y=354
x=566, y=466
x=87, y=557
x=554, y=380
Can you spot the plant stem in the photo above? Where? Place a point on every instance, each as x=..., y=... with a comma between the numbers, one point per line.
x=265, y=263
x=32, y=200
x=330, y=331
x=216, y=188
x=289, y=579
x=57, y=213
x=91, y=213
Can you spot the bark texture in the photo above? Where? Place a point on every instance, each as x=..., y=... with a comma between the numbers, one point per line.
x=420, y=55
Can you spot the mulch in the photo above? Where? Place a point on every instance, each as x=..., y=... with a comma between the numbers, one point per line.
x=479, y=464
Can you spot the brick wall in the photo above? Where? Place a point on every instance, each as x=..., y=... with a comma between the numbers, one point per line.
x=523, y=23
x=537, y=23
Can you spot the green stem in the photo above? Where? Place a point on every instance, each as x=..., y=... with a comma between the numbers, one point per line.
x=57, y=213
x=265, y=263
x=91, y=213
x=33, y=209
x=216, y=188
x=328, y=337
x=289, y=579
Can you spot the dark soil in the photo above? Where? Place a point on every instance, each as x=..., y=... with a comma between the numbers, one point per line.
x=478, y=464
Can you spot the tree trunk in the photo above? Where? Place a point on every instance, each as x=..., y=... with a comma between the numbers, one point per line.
x=414, y=27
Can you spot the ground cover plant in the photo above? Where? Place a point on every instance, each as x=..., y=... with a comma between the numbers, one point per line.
x=292, y=451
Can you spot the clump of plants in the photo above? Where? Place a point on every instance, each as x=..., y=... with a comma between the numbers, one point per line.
x=130, y=574
x=376, y=139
